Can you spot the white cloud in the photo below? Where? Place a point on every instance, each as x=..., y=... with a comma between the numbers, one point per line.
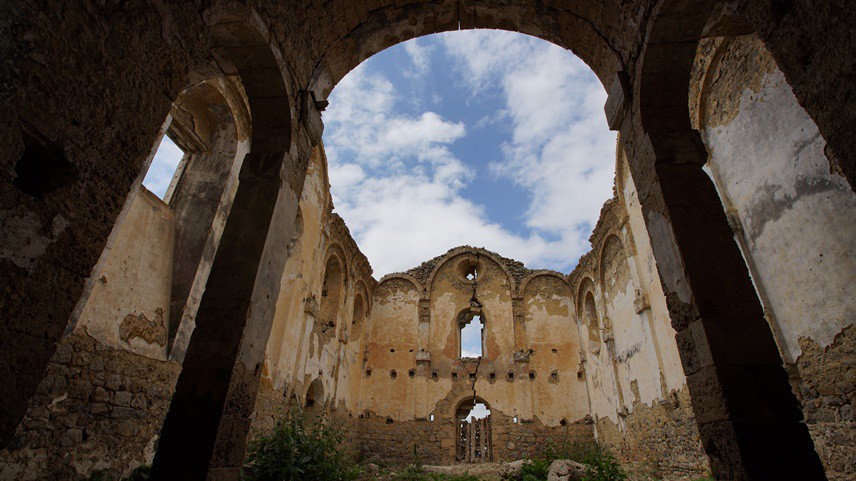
x=560, y=149
x=419, y=57
x=401, y=189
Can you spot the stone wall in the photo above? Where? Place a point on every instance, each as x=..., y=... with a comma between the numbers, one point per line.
x=97, y=409
x=394, y=442
x=661, y=439
x=793, y=219
x=824, y=380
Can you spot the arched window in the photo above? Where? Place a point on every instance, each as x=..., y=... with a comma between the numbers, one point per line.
x=590, y=313
x=358, y=316
x=331, y=291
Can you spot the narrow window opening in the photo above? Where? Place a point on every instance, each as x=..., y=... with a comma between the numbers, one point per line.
x=164, y=169
x=563, y=422
x=514, y=420
x=435, y=375
x=368, y=373
x=493, y=376
x=431, y=418
x=454, y=375
x=411, y=373
x=472, y=337
x=510, y=376
x=532, y=375
x=393, y=374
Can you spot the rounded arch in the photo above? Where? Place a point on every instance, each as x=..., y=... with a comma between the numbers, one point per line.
x=588, y=31
x=336, y=250
x=314, y=400
x=464, y=252
x=360, y=311
x=587, y=312
x=466, y=402
x=521, y=289
x=333, y=286
x=241, y=45
x=609, y=241
x=402, y=276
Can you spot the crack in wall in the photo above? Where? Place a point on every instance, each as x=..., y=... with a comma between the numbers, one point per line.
x=476, y=378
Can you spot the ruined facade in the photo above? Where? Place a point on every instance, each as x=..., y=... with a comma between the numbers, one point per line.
x=710, y=327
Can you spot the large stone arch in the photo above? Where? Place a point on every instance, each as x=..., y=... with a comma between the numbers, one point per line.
x=589, y=30
x=205, y=430
x=725, y=343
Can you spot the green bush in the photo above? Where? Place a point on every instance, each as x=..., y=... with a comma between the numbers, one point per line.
x=602, y=466
x=536, y=471
x=298, y=450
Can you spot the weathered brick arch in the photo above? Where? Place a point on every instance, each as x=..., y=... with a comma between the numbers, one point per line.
x=361, y=300
x=587, y=288
x=725, y=343
x=601, y=266
x=521, y=289
x=336, y=250
x=593, y=31
x=405, y=277
x=463, y=252
x=200, y=417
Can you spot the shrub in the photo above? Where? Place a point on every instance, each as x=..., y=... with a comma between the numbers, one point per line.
x=298, y=450
x=536, y=471
x=602, y=466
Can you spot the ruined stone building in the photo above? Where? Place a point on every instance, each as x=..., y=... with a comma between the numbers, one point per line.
x=710, y=327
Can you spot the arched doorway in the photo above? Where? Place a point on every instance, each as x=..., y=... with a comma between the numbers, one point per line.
x=473, y=433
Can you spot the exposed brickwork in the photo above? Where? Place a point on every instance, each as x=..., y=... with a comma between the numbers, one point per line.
x=824, y=380
x=96, y=409
x=663, y=437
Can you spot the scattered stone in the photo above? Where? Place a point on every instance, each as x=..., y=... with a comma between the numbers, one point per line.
x=566, y=470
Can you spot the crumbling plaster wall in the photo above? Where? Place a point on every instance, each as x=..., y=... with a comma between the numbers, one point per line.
x=794, y=221
x=528, y=371
x=102, y=401
x=109, y=385
x=637, y=388
x=128, y=307
x=302, y=347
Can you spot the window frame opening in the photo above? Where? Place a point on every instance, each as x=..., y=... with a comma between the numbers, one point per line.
x=469, y=320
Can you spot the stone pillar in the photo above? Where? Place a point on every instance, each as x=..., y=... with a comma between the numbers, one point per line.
x=209, y=416
x=748, y=418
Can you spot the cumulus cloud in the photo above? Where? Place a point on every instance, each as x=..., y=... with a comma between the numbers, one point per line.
x=402, y=191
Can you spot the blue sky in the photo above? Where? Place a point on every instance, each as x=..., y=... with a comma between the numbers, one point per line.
x=482, y=137
x=487, y=138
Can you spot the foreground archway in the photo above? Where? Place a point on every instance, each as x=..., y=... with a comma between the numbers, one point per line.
x=78, y=206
